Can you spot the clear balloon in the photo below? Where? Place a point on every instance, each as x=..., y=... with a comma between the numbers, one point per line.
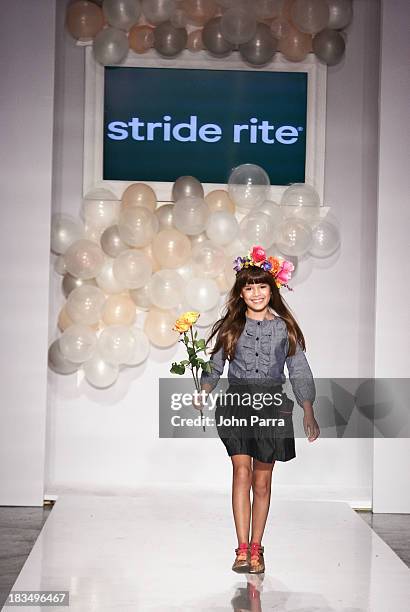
x=132, y=268
x=326, y=239
x=207, y=317
x=187, y=187
x=85, y=304
x=199, y=12
x=202, y=293
x=58, y=362
x=119, y=309
x=84, y=20
x=294, y=237
x=300, y=194
x=150, y=254
x=329, y=46
x=106, y=280
x=214, y=40
x=261, y=48
x=99, y=373
x=110, y=46
x=111, y=242
x=222, y=227
x=139, y=194
x=77, y=343
x=280, y=27
x=84, y=259
x=137, y=226
x=238, y=25
x=198, y=239
x=165, y=288
x=208, y=259
x=141, y=297
x=65, y=230
x=141, y=348
x=116, y=344
x=295, y=45
x=272, y=209
x=248, y=186
x=191, y=215
x=171, y=248
x=71, y=282
x=165, y=216
x=122, y=14
x=257, y=228
x=158, y=327
x=219, y=200
x=141, y=38
x=158, y=11
x=100, y=212
x=310, y=16
x=340, y=14
x=169, y=40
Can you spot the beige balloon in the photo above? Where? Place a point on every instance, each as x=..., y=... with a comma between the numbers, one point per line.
x=199, y=11
x=158, y=327
x=137, y=225
x=106, y=279
x=149, y=253
x=139, y=194
x=119, y=310
x=165, y=215
x=141, y=38
x=219, y=200
x=295, y=45
x=64, y=321
x=84, y=20
x=70, y=283
x=171, y=248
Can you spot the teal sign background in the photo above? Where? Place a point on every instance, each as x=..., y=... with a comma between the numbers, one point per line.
x=224, y=98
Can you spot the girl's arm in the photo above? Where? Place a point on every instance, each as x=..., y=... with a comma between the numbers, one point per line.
x=301, y=379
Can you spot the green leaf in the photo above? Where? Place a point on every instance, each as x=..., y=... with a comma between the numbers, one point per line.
x=177, y=368
x=200, y=343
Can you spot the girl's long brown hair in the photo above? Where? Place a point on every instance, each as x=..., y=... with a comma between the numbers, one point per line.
x=231, y=325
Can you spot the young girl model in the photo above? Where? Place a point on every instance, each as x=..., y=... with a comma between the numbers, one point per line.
x=257, y=342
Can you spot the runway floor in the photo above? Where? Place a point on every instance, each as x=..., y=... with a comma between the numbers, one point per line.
x=167, y=552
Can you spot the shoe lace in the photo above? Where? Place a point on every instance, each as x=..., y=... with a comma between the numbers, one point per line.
x=242, y=551
x=256, y=550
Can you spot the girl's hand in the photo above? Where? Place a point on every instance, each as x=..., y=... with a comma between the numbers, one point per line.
x=311, y=427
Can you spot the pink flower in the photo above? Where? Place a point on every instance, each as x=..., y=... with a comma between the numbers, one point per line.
x=284, y=274
x=258, y=254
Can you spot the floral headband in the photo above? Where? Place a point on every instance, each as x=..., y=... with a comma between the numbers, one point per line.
x=280, y=268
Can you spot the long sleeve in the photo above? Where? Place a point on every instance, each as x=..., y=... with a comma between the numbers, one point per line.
x=218, y=363
x=301, y=377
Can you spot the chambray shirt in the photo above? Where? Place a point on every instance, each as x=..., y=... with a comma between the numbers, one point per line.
x=260, y=357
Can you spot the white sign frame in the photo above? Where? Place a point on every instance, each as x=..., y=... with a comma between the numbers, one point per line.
x=94, y=115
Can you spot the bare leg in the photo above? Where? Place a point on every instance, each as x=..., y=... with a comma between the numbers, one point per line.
x=241, y=504
x=261, y=487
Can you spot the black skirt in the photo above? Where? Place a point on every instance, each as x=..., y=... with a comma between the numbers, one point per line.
x=256, y=420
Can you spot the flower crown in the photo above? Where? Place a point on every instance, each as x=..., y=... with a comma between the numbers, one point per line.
x=280, y=268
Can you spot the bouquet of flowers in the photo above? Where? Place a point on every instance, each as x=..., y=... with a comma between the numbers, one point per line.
x=194, y=346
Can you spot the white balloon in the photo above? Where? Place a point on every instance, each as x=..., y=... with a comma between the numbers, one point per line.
x=300, y=194
x=158, y=11
x=77, y=343
x=110, y=46
x=141, y=297
x=65, y=230
x=141, y=347
x=248, y=186
x=207, y=317
x=132, y=268
x=106, y=279
x=165, y=288
x=100, y=212
x=165, y=215
x=208, y=259
x=191, y=215
x=116, y=344
x=202, y=293
x=85, y=304
x=137, y=226
x=84, y=259
x=222, y=227
x=99, y=373
x=122, y=14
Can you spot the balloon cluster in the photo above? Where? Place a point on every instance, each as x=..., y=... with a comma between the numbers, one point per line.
x=130, y=256
x=256, y=28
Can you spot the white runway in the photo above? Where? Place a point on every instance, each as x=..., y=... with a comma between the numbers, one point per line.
x=169, y=551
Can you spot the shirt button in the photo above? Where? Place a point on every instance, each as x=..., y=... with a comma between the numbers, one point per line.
x=259, y=322
x=257, y=338
x=256, y=354
x=256, y=370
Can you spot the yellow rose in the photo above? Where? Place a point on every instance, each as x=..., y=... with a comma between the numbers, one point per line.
x=181, y=326
x=191, y=316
